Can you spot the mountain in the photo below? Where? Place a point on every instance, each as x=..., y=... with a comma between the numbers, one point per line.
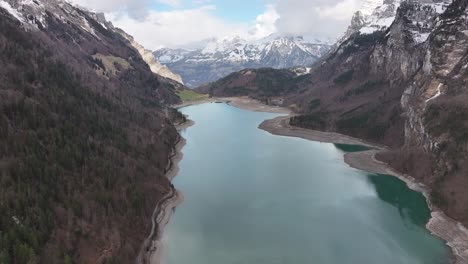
x=222, y=57
x=85, y=137
x=401, y=83
x=256, y=83
x=149, y=58
x=372, y=16
x=381, y=17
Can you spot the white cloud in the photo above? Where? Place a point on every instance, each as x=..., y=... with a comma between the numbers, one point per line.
x=173, y=3
x=182, y=27
x=341, y=11
x=178, y=28
x=134, y=8
x=318, y=18
x=265, y=24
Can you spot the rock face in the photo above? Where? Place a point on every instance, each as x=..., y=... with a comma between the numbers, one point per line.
x=222, y=57
x=85, y=137
x=154, y=64
x=402, y=84
x=436, y=111
x=381, y=18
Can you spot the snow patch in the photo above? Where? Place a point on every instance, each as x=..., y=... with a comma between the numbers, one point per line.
x=368, y=6
x=12, y=11
x=103, y=25
x=439, y=93
x=420, y=37
x=377, y=25
x=16, y=220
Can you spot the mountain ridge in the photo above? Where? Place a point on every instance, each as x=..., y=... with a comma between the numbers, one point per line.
x=222, y=57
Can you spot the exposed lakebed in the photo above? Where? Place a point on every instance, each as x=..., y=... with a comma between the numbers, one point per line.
x=251, y=197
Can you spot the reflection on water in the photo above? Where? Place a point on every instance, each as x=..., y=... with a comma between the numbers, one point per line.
x=351, y=148
x=251, y=197
x=408, y=202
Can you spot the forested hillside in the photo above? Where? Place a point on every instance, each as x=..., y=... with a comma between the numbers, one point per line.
x=84, y=141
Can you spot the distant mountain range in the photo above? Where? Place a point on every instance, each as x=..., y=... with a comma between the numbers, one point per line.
x=224, y=56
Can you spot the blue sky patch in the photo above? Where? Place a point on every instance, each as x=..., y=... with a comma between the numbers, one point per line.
x=243, y=11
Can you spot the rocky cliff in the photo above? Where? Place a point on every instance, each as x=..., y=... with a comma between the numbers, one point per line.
x=435, y=108
x=150, y=59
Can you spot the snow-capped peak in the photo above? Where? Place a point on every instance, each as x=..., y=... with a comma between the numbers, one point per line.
x=382, y=17
x=233, y=53
x=33, y=13
x=236, y=49
x=368, y=6
x=12, y=10
x=424, y=17
x=421, y=17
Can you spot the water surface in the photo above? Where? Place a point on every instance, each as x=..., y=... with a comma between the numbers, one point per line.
x=251, y=197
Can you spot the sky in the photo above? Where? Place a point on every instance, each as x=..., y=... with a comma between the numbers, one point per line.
x=189, y=23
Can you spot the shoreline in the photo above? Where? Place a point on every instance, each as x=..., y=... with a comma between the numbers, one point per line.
x=453, y=233
x=279, y=126
x=243, y=102
x=152, y=247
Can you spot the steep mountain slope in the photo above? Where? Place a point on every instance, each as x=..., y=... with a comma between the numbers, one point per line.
x=436, y=111
x=222, y=57
x=149, y=58
x=360, y=85
x=403, y=85
x=85, y=137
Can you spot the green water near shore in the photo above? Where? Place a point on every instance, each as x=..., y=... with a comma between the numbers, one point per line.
x=251, y=197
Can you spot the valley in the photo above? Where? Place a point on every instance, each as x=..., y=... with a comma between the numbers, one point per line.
x=273, y=144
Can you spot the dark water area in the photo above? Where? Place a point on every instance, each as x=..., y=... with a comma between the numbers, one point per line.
x=351, y=148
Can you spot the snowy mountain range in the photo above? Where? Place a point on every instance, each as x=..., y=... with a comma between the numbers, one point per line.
x=220, y=57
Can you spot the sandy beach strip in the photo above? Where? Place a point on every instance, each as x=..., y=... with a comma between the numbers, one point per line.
x=280, y=126
x=244, y=103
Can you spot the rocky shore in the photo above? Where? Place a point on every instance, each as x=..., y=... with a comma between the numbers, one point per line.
x=440, y=225
x=151, y=250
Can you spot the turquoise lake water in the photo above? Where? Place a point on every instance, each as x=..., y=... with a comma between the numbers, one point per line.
x=255, y=198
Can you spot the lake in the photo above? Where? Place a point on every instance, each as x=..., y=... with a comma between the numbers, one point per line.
x=251, y=197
